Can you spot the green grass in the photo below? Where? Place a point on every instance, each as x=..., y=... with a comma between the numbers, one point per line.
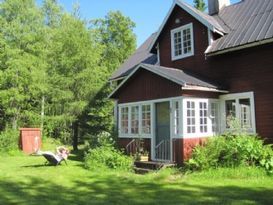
x=24, y=180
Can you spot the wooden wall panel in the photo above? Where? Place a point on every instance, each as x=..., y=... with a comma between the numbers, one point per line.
x=145, y=85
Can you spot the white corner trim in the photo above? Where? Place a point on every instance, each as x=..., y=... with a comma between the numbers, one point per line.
x=188, y=10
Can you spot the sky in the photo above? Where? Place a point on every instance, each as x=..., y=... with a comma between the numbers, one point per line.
x=147, y=14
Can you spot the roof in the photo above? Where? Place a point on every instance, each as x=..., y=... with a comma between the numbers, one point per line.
x=177, y=76
x=249, y=21
x=141, y=55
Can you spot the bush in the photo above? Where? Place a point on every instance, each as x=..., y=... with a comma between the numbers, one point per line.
x=232, y=151
x=107, y=157
x=102, y=154
x=9, y=140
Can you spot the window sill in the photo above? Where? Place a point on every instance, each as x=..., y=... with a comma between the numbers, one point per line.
x=181, y=57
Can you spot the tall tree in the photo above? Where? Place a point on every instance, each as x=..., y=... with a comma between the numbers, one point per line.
x=22, y=42
x=75, y=73
x=200, y=5
x=115, y=32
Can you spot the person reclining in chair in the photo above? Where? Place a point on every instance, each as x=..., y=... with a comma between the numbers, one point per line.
x=55, y=159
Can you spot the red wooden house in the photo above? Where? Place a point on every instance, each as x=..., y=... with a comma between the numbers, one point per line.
x=181, y=86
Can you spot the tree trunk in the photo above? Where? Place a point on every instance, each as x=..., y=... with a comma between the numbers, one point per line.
x=14, y=123
x=42, y=114
x=75, y=135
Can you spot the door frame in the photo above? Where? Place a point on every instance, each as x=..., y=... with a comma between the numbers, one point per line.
x=153, y=139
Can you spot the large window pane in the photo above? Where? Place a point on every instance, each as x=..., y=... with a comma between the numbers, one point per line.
x=176, y=118
x=124, y=120
x=146, y=119
x=245, y=113
x=203, y=109
x=230, y=111
x=214, y=116
x=134, y=119
x=191, y=117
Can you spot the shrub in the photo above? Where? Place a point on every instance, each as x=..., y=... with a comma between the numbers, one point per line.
x=107, y=157
x=9, y=140
x=232, y=151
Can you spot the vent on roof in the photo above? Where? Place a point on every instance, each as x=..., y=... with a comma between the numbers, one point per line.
x=214, y=6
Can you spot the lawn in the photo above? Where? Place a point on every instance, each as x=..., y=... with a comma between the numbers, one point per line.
x=24, y=180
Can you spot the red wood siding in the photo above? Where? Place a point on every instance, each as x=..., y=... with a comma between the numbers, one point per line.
x=200, y=94
x=145, y=85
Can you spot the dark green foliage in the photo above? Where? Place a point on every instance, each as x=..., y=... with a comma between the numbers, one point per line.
x=9, y=140
x=102, y=155
x=232, y=151
x=200, y=5
x=98, y=115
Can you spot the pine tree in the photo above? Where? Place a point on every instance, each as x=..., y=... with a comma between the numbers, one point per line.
x=200, y=5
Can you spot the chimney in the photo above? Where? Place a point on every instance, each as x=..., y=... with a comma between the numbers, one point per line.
x=214, y=6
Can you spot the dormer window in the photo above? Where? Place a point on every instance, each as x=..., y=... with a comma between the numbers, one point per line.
x=182, y=42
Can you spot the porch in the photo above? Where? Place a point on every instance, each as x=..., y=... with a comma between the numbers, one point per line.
x=169, y=129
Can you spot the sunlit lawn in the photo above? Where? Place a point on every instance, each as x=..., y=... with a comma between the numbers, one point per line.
x=25, y=180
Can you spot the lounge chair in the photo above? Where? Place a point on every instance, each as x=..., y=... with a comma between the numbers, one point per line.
x=53, y=159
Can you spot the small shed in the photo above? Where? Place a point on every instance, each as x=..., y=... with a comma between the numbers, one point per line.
x=30, y=140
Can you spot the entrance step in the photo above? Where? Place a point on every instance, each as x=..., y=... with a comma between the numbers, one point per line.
x=146, y=167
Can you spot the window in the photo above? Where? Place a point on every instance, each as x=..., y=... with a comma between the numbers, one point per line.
x=134, y=119
x=190, y=117
x=146, y=119
x=182, y=42
x=203, y=115
x=239, y=111
x=214, y=116
x=124, y=126
x=230, y=111
x=200, y=117
x=245, y=113
x=176, y=116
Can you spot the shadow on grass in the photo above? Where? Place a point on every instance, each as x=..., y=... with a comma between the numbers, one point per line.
x=113, y=189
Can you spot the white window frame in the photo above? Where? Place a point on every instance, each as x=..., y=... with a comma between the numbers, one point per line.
x=120, y=120
x=198, y=133
x=179, y=132
x=141, y=131
x=180, y=29
x=216, y=117
x=237, y=97
x=130, y=134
